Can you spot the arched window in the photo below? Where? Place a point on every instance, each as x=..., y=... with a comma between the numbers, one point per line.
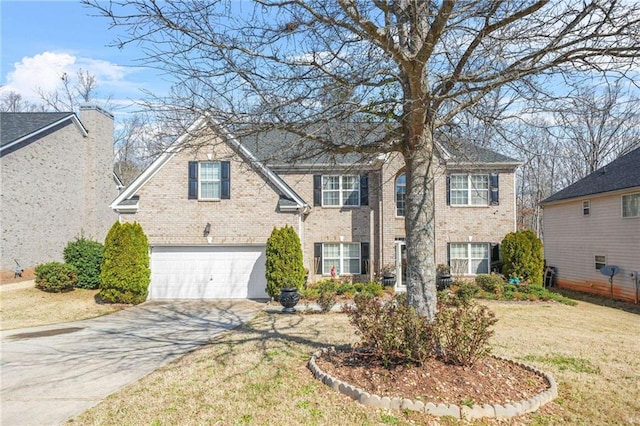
x=401, y=191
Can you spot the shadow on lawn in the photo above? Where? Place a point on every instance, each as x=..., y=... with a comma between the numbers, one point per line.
x=599, y=300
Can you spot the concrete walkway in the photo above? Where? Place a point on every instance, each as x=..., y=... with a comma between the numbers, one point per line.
x=52, y=373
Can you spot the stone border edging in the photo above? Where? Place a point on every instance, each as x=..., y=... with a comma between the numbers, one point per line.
x=460, y=412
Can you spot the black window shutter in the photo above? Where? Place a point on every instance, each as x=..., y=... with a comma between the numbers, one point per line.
x=317, y=253
x=364, y=258
x=493, y=186
x=449, y=254
x=317, y=190
x=448, y=190
x=193, y=180
x=225, y=180
x=495, y=254
x=364, y=190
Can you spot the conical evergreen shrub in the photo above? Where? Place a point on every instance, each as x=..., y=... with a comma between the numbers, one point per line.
x=125, y=273
x=522, y=256
x=284, y=265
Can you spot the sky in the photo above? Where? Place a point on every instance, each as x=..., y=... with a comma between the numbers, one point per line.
x=41, y=40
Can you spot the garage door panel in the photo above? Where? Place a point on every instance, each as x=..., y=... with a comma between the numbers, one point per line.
x=207, y=272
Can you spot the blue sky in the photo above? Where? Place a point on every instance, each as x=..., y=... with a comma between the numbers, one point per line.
x=40, y=40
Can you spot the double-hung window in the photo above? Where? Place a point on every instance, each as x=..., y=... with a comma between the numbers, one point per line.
x=469, y=190
x=631, y=205
x=469, y=258
x=341, y=190
x=344, y=257
x=209, y=180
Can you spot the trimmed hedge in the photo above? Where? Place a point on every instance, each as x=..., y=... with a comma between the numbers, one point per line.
x=125, y=273
x=522, y=256
x=284, y=267
x=86, y=256
x=56, y=277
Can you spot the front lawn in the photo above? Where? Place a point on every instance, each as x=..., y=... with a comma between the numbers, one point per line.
x=257, y=374
x=30, y=307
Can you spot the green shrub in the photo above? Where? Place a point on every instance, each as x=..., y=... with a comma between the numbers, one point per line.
x=326, y=300
x=86, y=256
x=284, y=266
x=462, y=332
x=491, y=283
x=373, y=289
x=522, y=256
x=125, y=274
x=465, y=290
x=393, y=331
x=56, y=277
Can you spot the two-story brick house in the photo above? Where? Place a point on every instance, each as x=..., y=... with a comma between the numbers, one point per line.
x=56, y=183
x=209, y=204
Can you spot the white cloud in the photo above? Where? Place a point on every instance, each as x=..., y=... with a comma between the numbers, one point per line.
x=44, y=71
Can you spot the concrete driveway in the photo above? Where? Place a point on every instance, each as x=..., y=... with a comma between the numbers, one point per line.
x=52, y=373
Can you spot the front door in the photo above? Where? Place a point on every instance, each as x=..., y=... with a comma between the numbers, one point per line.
x=401, y=266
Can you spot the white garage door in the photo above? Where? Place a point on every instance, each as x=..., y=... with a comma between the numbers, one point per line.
x=222, y=272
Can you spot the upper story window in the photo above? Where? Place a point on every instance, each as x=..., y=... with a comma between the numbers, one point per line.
x=341, y=190
x=209, y=180
x=401, y=191
x=472, y=189
x=586, y=208
x=631, y=205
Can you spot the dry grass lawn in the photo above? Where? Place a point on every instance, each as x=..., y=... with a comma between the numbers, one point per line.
x=257, y=375
x=30, y=307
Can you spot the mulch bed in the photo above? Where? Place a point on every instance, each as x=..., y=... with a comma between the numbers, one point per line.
x=489, y=381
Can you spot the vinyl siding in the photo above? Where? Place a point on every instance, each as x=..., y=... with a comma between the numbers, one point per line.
x=571, y=242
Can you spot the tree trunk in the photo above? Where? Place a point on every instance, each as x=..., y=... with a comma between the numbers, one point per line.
x=419, y=226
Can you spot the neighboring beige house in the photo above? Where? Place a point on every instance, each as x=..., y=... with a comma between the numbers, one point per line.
x=208, y=212
x=57, y=183
x=596, y=222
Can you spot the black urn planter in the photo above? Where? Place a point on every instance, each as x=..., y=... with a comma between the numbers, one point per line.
x=288, y=298
x=388, y=280
x=443, y=281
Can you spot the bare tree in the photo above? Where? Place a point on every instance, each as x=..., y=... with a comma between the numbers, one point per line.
x=596, y=125
x=410, y=66
x=11, y=101
x=71, y=92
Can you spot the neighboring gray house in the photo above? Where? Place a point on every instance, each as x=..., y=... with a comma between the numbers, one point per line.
x=208, y=212
x=596, y=222
x=57, y=183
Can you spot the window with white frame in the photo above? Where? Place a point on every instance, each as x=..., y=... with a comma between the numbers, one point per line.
x=469, y=190
x=344, y=257
x=600, y=261
x=469, y=258
x=341, y=190
x=209, y=180
x=586, y=208
x=631, y=205
x=401, y=191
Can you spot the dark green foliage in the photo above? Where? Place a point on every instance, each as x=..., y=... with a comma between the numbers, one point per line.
x=56, y=277
x=462, y=331
x=393, y=331
x=86, y=256
x=522, y=256
x=346, y=289
x=125, y=273
x=284, y=266
x=491, y=283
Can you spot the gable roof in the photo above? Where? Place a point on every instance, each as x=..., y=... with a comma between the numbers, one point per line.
x=17, y=127
x=289, y=199
x=620, y=174
x=278, y=148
